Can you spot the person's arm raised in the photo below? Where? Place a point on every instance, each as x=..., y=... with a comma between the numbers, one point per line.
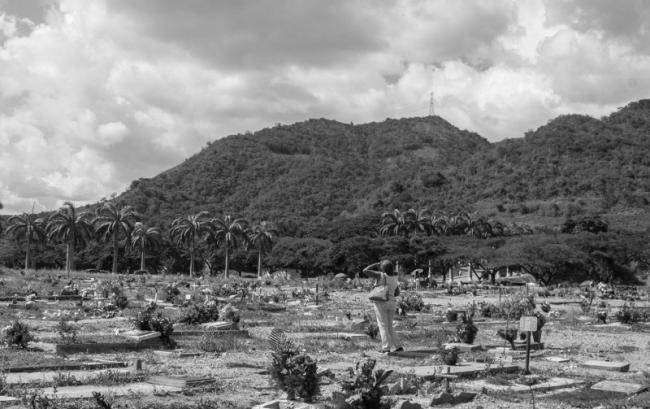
x=371, y=272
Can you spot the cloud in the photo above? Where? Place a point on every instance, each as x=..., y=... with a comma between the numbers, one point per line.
x=96, y=94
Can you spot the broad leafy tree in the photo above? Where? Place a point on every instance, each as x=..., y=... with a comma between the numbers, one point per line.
x=144, y=238
x=396, y=223
x=229, y=233
x=71, y=228
x=260, y=236
x=27, y=227
x=189, y=231
x=113, y=222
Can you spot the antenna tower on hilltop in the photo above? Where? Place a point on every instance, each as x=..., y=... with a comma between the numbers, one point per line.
x=431, y=111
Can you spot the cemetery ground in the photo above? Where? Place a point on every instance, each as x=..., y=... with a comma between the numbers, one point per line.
x=86, y=351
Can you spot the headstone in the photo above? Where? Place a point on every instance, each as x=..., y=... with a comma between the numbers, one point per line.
x=617, y=366
x=620, y=387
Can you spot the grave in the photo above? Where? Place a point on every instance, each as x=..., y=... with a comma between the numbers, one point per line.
x=102, y=347
x=616, y=366
x=67, y=366
x=462, y=347
x=619, y=387
x=179, y=381
x=218, y=325
x=139, y=335
x=557, y=359
x=21, y=378
x=463, y=369
x=219, y=332
x=418, y=353
x=548, y=385
x=176, y=353
x=521, y=345
x=86, y=391
x=289, y=404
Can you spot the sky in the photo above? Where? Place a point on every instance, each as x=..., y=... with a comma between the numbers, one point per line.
x=95, y=94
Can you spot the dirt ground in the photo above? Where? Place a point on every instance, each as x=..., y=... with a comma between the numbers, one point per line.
x=239, y=365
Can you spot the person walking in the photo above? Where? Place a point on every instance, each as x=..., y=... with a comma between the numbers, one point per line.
x=384, y=274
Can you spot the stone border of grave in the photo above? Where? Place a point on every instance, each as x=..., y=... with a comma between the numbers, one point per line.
x=68, y=367
x=102, y=347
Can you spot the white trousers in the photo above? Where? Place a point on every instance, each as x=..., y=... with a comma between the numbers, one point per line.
x=385, y=312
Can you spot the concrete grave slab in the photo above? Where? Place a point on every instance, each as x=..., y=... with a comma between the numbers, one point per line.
x=619, y=387
x=176, y=353
x=140, y=336
x=18, y=378
x=179, y=381
x=557, y=359
x=616, y=366
x=218, y=325
x=8, y=401
x=463, y=369
x=418, y=353
x=287, y=404
x=462, y=347
x=86, y=391
x=549, y=385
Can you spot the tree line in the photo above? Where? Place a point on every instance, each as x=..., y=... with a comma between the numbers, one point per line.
x=121, y=228
x=115, y=237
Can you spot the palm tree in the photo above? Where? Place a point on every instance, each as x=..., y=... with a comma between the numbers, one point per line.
x=187, y=231
x=230, y=234
x=111, y=222
x=67, y=226
x=28, y=227
x=144, y=238
x=422, y=220
x=261, y=237
x=393, y=224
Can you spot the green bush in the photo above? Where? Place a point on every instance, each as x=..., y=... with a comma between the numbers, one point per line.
x=151, y=319
x=411, y=302
x=199, y=313
x=293, y=372
x=18, y=334
x=67, y=332
x=366, y=388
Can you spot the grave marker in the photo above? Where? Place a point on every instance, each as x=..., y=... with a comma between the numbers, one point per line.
x=619, y=387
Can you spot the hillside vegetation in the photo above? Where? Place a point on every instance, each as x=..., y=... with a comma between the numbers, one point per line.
x=320, y=170
x=324, y=185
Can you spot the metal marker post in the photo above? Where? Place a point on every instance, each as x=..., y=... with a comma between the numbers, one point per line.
x=528, y=325
x=527, y=371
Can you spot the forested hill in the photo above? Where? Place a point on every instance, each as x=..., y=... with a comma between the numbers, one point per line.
x=311, y=172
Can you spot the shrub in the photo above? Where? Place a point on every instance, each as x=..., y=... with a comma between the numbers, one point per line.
x=449, y=356
x=199, y=313
x=366, y=389
x=466, y=330
x=18, y=334
x=411, y=302
x=372, y=330
x=229, y=313
x=158, y=322
x=67, y=332
x=170, y=292
x=142, y=318
x=150, y=319
x=291, y=371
